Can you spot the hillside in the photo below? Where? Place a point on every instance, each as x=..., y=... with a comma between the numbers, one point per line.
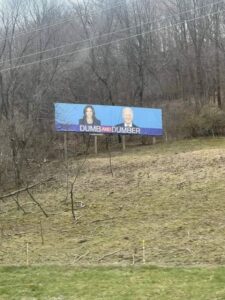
x=170, y=195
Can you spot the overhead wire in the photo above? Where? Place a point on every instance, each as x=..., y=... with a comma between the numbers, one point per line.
x=108, y=43
x=107, y=34
x=50, y=25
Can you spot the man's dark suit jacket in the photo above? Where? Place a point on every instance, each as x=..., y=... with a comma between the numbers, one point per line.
x=123, y=125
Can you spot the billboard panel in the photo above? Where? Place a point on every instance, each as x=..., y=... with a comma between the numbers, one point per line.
x=103, y=119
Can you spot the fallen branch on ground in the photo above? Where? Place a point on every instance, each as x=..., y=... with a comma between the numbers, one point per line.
x=80, y=257
x=25, y=188
x=109, y=254
x=36, y=202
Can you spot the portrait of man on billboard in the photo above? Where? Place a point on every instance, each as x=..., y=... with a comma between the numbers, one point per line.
x=89, y=117
x=128, y=117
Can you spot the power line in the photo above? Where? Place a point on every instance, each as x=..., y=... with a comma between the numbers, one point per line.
x=109, y=43
x=108, y=34
x=52, y=25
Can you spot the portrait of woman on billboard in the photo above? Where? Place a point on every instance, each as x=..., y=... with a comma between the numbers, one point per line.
x=89, y=117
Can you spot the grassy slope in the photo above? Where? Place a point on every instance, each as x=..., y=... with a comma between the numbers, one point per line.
x=170, y=195
x=111, y=283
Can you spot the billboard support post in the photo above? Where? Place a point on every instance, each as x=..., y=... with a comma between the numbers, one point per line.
x=96, y=144
x=154, y=140
x=65, y=146
x=166, y=136
x=124, y=142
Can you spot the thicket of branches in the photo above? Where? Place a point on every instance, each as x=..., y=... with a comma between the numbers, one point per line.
x=164, y=53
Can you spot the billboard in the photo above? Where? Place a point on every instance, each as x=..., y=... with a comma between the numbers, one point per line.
x=103, y=119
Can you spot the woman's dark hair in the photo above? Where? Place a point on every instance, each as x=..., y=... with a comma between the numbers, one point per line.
x=93, y=111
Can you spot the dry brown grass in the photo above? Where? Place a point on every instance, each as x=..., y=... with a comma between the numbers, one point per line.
x=170, y=195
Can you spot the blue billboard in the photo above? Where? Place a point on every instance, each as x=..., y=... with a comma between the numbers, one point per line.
x=103, y=119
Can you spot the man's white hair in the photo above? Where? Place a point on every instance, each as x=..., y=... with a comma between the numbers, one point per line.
x=128, y=109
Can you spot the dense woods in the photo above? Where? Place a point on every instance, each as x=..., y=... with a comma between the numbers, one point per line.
x=153, y=53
